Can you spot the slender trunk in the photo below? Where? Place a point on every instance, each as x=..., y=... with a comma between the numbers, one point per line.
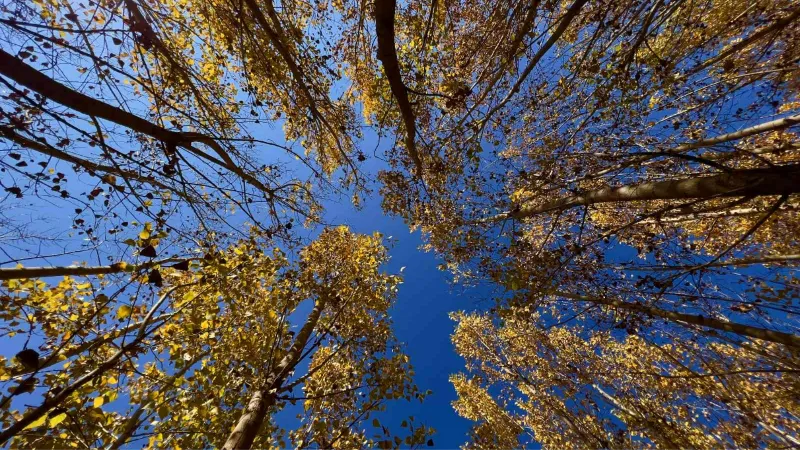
x=387, y=54
x=34, y=80
x=738, y=212
x=779, y=337
x=27, y=76
x=42, y=272
x=755, y=182
x=250, y=422
x=773, y=125
x=564, y=23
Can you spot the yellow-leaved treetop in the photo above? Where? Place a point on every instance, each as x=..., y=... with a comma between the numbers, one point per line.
x=565, y=387
x=208, y=359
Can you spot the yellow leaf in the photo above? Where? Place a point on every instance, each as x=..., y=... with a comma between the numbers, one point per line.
x=124, y=311
x=37, y=422
x=144, y=234
x=57, y=419
x=98, y=402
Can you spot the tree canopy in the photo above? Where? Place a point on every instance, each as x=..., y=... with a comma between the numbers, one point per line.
x=623, y=175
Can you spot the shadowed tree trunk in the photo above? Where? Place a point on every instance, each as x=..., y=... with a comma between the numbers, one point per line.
x=387, y=54
x=262, y=400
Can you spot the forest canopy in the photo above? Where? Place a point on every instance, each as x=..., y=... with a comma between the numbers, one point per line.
x=617, y=182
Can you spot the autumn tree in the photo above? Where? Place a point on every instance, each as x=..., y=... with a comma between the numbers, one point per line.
x=233, y=341
x=624, y=172
x=613, y=165
x=569, y=386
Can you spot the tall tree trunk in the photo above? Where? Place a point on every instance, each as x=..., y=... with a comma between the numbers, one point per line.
x=74, y=271
x=36, y=81
x=779, y=337
x=387, y=54
x=754, y=182
x=262, y=400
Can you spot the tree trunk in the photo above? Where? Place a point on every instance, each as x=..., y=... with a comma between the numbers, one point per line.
x=739, y=262
x=243, y=435
x=42, y=272
x=27, y=76
x=34, y=80
x=387, y=54
x=564, y=23
x=754, y=182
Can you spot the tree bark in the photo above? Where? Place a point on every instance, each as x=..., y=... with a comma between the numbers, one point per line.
x=779, y=337
x=243, y=435
x=60, y=271
x=738, y=212
x=773, y=125
x=739, y=262
x=34, y=80
x=387, y=54
x=754, y=182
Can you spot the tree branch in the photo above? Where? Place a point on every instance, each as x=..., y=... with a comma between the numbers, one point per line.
x=779, y=337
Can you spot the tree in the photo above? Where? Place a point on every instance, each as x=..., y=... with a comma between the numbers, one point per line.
x=228, y=338
x=568, y=386
x=154, y=110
